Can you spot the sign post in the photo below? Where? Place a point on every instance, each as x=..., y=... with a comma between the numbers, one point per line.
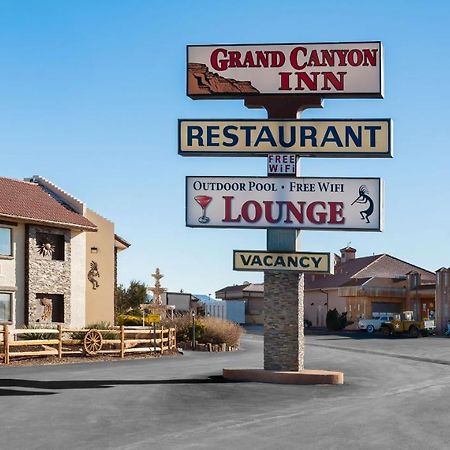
x=284, y=341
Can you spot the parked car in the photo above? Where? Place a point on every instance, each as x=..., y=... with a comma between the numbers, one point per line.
x=374, y=324
x=406, y=324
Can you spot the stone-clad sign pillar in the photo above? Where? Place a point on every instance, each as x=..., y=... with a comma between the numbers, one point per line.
x=283, y=291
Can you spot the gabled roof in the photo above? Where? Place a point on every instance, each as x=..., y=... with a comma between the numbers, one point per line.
x=359, y=270
x=120, y=243
x=237, y=290
x=343, y=272
x=27, y=201
x=254, y=287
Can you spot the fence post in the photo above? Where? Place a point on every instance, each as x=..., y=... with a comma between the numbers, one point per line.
x=174, y=337
x=59, y=341
x=122, y=341
x=6, y=342
x=169, y=338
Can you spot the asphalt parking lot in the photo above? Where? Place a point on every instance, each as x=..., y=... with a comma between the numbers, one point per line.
x=396, y=395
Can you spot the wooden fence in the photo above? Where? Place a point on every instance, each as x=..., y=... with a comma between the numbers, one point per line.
x=93, y=342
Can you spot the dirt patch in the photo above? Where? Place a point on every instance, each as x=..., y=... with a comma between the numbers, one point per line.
x=53, y=360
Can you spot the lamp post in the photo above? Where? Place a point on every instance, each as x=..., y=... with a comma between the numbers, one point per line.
x=193, y=330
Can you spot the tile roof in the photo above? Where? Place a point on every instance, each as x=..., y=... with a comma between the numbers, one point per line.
x=254, y=287
x=359, y=270
x=29, y=202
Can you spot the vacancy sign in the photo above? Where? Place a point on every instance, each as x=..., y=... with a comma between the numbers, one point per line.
x=296, y=203
x=351, y=69
x=250, y=260
x=353, y=138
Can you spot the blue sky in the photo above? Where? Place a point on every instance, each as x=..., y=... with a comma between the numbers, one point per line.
x=91, y=92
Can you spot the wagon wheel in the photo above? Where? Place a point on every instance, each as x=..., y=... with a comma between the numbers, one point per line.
x=93, y=342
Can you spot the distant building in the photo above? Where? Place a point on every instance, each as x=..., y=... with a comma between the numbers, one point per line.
x=58, y=258
x=367, y=285
x=251, y=294
x=361, y=286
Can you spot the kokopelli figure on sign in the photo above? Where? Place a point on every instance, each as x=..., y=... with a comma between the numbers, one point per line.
x=93, y=274
x=365, y=199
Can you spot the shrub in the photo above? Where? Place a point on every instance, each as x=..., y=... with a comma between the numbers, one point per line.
x=36, y=336
x=336, y=321
x=129, y=320
x=133, y=320
x=218, y=331
x=183, y=326
x=100, y=326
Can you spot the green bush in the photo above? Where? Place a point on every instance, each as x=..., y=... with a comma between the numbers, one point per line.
x=336, y=321
x=36, y=336
x=103, y=327
x=132, y=320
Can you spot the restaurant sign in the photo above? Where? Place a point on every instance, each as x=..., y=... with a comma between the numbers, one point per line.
x=250, y=260
x=354, y=138
x=297, y=203
x=351, y=69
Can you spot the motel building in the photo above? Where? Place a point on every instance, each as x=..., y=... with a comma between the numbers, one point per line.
x=363, y=287
x=58, y=258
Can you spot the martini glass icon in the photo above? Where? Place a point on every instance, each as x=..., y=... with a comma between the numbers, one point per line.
x=203, y=201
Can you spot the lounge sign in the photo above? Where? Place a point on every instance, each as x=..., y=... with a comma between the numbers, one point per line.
x=314, y=137
x=296, y=203
x=352, y=69
x=249, y=260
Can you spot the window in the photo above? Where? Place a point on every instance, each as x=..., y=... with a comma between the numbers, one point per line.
x=5, y=307
x=5, y=241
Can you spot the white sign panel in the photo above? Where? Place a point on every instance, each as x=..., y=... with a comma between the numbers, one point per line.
x=296, y=203
x=352, y=69
x=281, y=164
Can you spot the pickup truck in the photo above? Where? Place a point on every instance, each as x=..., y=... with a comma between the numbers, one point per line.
x=374, y=324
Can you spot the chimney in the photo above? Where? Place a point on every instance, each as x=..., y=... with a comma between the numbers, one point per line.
x=347, y=253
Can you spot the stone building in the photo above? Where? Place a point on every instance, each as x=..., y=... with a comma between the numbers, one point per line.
x=58, y=258
x=361, y=286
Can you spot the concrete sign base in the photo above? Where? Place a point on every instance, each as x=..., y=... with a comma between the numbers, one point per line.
x=279, y=377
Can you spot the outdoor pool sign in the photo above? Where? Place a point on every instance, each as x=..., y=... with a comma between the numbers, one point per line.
x=350, y=69
x=355, y=138
x=302, y=203
x=253, y=260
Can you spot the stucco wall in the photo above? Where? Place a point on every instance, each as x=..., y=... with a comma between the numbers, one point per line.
x=316, y=305
x=78, y=279
x=12, y=272
x=100, y=301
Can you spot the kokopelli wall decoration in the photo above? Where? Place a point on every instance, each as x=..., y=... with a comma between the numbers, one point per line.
x=93, y=274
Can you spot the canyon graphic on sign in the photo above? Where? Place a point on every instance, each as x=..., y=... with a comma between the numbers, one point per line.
x=327, y=69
